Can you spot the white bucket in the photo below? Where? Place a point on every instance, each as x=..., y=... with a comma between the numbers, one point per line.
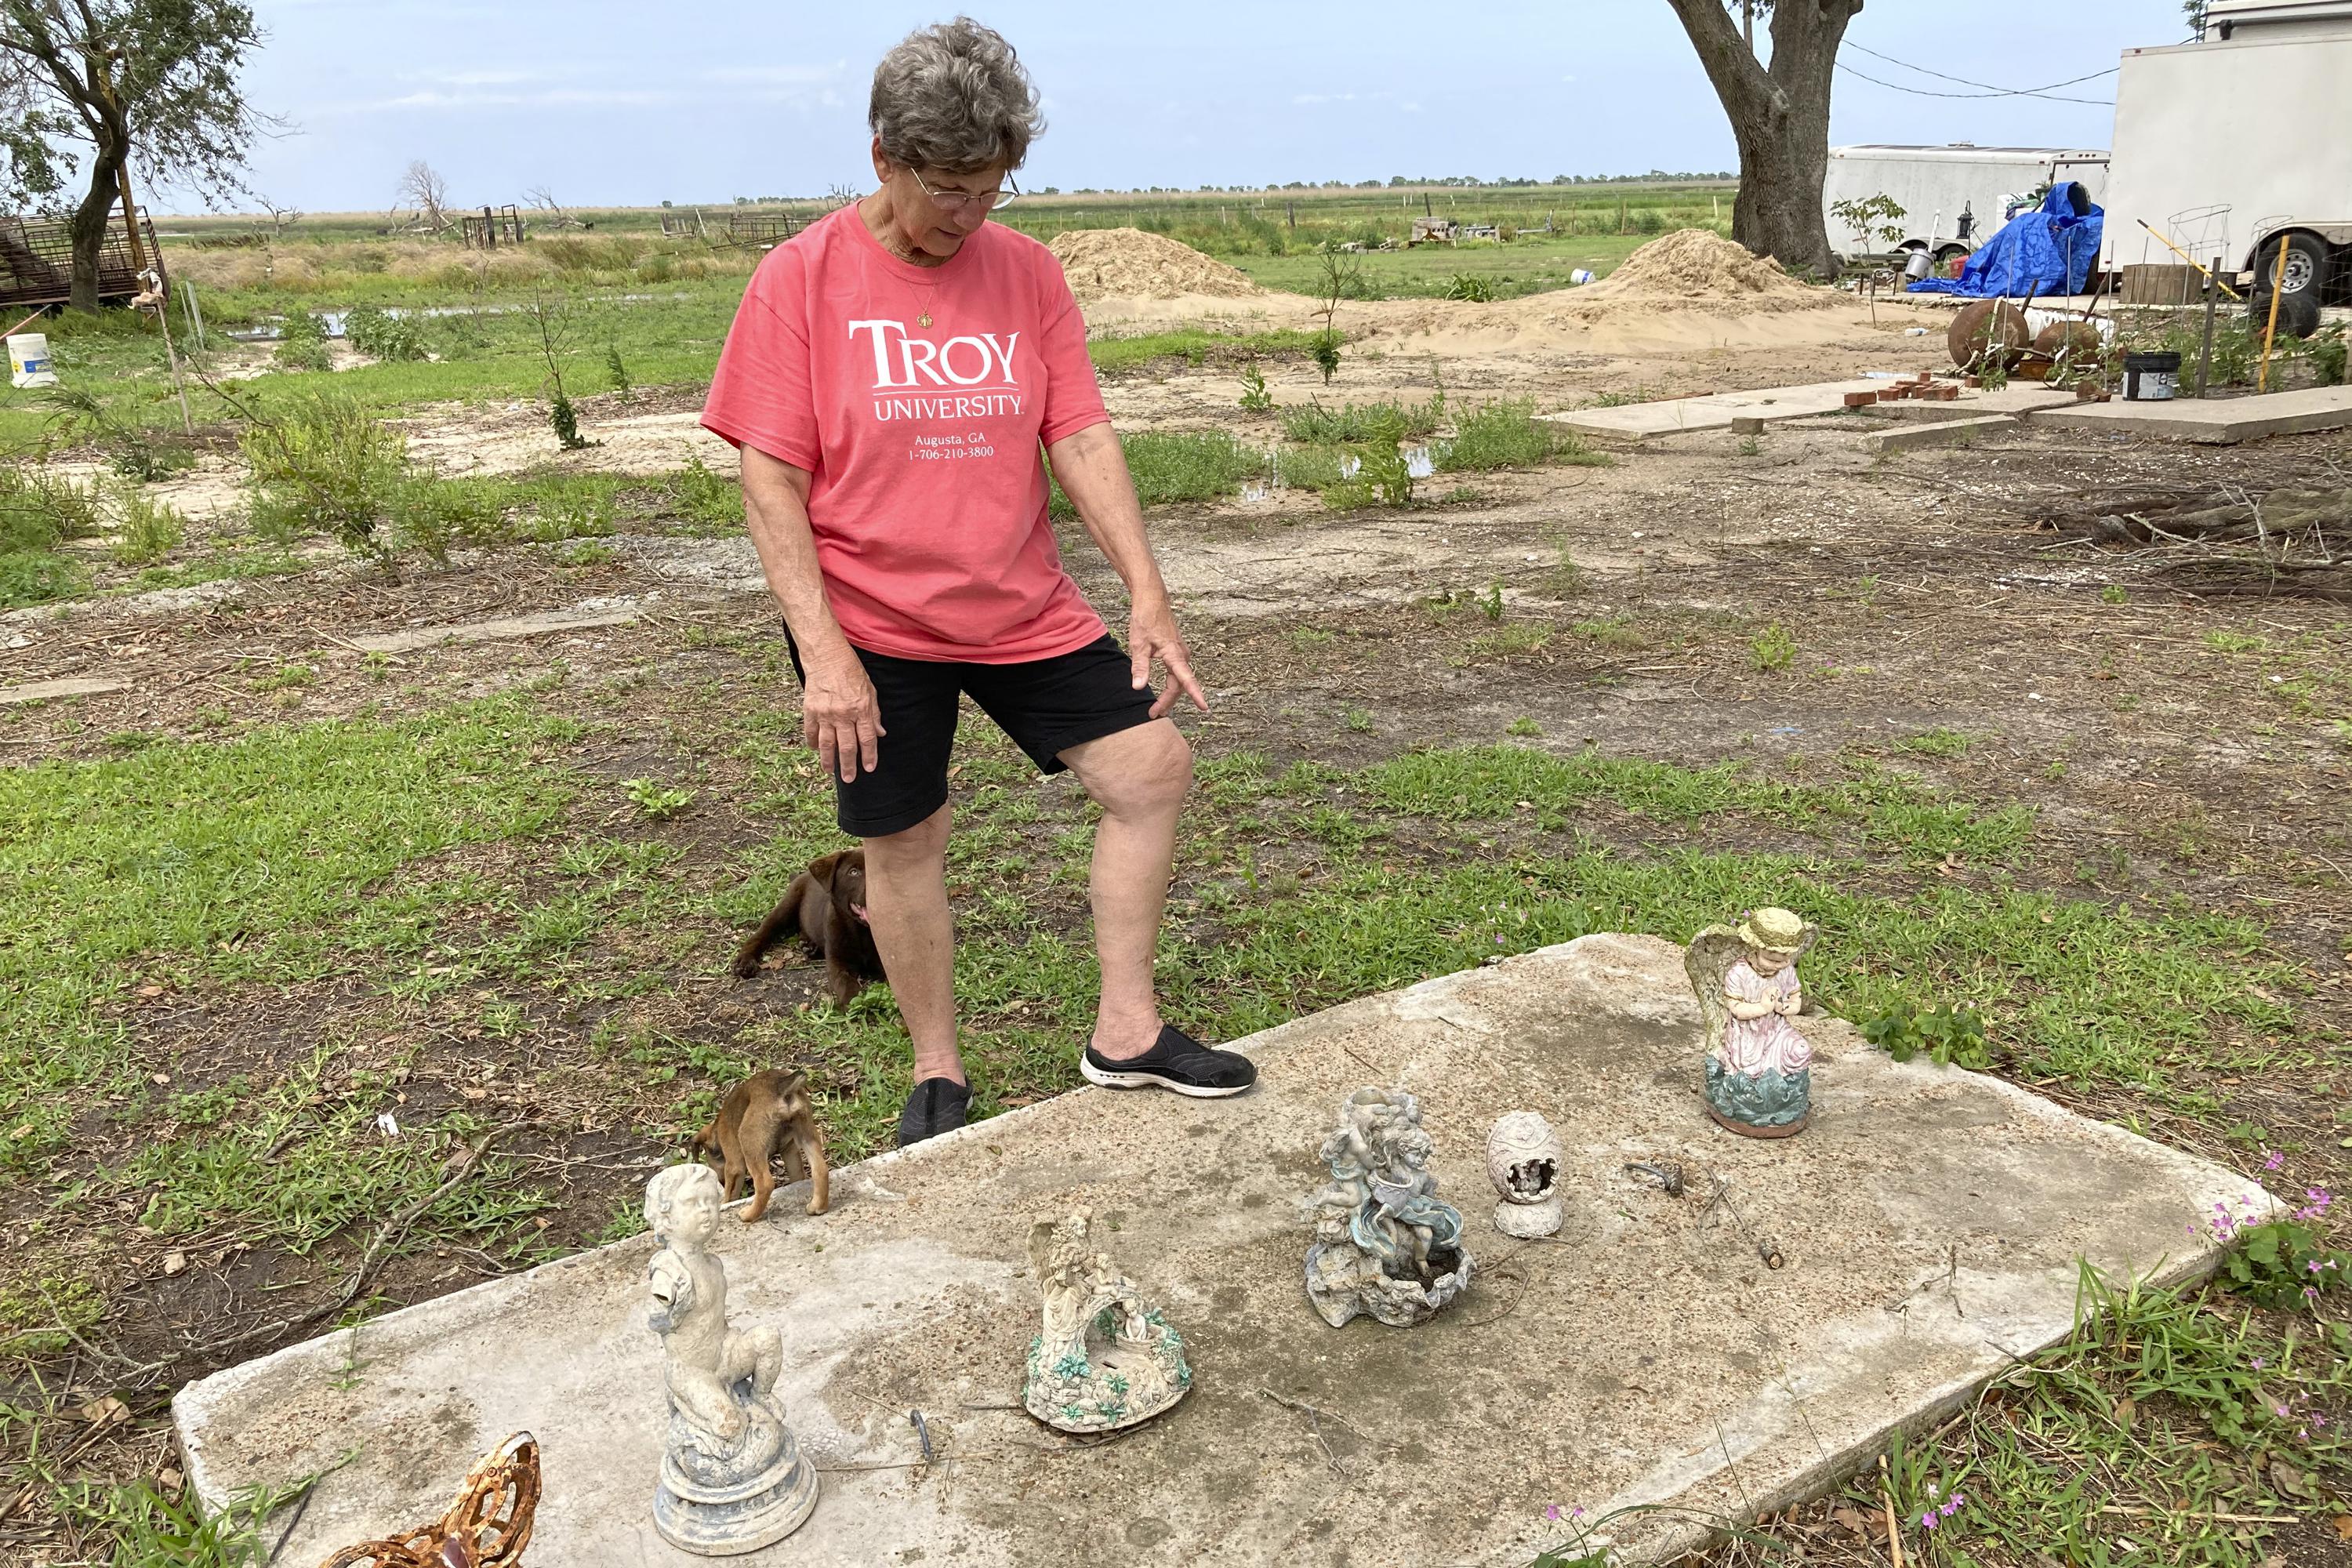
x=1580, y=276
x=29, y=360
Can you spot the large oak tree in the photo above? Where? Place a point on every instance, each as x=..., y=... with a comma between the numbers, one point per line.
x=86, y=85
x=1779, y=115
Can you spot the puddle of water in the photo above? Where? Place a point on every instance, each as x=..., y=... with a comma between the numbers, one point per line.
x=1417, y=462
x=273, y=328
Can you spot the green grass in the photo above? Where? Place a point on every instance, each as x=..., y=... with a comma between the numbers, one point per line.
x=1938, y=742
x=2163, y=1411
x=265, y=860
x=1196, y=346
x=1393, y=419
x=1508, y=436
x=1169, y=467
x=1525, y=266
x=367, y=852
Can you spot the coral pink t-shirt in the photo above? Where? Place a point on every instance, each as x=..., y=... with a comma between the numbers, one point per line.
x=928, y=488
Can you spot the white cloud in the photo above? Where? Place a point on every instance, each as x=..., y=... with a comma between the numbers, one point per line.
x=1324, y=97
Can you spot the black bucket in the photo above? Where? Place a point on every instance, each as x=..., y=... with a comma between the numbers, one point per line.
x=2150, y=378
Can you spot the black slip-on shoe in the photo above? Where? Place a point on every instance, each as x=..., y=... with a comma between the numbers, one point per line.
x=1175, y=1061
x=938, y=1105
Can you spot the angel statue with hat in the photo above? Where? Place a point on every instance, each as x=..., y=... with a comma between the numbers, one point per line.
x=1758, y=1065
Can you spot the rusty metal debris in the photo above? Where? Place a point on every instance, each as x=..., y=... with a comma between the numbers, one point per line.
x=487, y=1524
x=1666, y=1173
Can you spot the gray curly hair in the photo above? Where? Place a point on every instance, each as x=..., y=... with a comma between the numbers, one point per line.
x=954, y=97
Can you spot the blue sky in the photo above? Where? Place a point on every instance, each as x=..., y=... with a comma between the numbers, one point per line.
x=609, y=103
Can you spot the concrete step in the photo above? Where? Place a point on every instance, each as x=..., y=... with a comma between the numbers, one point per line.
x=1930, y=1222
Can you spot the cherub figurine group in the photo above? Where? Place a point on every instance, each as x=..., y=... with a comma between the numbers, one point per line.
x=1384, y=1243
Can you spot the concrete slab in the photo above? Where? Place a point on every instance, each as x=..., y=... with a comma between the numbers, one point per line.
x=1734, y=410
x=1931, y=1221
x=2215, y=421
x=580, y=618
x=1716, y=412
x=46, y=690
x=1956, y=432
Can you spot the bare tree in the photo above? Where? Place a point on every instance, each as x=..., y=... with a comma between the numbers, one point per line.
x=424, y=189
x=543, y=199
x=1780, y=116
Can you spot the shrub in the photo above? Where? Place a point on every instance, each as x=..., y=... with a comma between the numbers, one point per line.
x=302, y=344
x=1952, y=1036
x=327, y=464
x=147, y=529
x=38, y=510
x=1772, y=649
x=1382, y=476
x=383, y=337
x=1468, y=286
x=705, y=500
x=1327, y=354
x=37, y=577
x=1499, y=436
x=565, y=423
x=570, y=515
x=1316, y=424
x=1169, y=465
x=1255, y=398
x=432, y=516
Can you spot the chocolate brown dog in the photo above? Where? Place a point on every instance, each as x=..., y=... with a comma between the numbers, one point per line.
x=827, y=902
x=766, y=1115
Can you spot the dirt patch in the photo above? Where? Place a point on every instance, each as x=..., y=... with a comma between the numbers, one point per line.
x=1693, y=268
x=1128, y=263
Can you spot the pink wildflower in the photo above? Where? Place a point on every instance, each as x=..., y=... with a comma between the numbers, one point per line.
x=2272, y=1160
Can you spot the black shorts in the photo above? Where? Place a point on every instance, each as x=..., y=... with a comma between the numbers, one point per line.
x=1045, y=705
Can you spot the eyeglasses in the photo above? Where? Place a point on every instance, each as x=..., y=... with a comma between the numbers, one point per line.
x=965, y=201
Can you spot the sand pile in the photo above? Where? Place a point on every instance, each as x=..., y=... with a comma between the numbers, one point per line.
x=1128, y=264
x=1694, y=267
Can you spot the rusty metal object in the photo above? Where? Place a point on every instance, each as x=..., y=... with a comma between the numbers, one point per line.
x=1988, y=332
x=488, y=1525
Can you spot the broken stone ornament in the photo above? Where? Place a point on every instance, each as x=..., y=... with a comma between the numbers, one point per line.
x=733, y=1479
x=1523, y=1160
x=1103, y=1360
x=1383, y=1243
x=1759, y=1066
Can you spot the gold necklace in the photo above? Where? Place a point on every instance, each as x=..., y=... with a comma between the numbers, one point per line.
x=922, y=301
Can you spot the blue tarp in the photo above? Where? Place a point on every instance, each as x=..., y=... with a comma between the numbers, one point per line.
x=2047, y=252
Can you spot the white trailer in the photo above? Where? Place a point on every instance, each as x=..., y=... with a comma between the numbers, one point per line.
x=2231, y=145
x=1943, y=190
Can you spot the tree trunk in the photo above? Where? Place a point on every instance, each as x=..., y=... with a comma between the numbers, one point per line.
x=1780, y=116
x=92, y=227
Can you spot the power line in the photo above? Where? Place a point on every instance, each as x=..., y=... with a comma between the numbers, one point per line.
x=1990, y=90
x=2021, y=92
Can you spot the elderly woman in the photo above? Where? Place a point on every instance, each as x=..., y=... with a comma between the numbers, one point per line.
x=892, y=378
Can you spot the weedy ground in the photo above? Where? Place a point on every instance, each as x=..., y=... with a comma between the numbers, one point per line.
x=335, y=981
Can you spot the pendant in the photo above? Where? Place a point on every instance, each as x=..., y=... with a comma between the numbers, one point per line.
x=924, y=320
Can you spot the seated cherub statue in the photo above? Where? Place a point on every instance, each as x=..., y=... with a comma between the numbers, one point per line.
x=714, y=1373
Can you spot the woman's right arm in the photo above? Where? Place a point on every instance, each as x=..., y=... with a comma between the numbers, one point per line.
x=840, y=715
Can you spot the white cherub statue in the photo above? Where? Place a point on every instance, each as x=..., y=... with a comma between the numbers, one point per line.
x=733, y=1479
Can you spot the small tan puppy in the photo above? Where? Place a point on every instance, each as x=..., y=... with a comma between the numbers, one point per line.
x=766, y=1116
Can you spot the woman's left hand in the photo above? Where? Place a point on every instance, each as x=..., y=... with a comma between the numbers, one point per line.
x=1151, y=637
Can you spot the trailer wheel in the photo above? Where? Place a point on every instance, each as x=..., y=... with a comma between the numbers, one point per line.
x=1946, y=252
x=2298, y=313
x=2306, y=268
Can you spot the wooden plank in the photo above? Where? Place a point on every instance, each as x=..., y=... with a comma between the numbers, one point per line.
x=2164, y=283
